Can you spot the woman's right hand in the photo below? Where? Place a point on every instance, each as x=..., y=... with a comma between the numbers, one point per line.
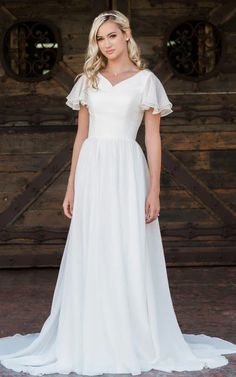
x=68, y=202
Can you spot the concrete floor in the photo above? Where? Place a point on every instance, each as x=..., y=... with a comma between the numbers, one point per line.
x=204, y=299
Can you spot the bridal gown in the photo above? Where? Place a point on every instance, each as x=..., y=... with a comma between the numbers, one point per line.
x=112, y=310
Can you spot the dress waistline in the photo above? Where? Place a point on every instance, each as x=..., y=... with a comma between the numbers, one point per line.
x=112, y=137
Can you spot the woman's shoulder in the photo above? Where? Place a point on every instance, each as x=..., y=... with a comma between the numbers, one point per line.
x=151, y=78
x=80, y=77
x=147, y=70
x=149, y=73
x=81, y=81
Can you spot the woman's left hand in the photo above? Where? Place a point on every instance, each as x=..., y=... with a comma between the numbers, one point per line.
x=152, y=206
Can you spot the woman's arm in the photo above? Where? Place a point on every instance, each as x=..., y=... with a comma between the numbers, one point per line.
x=153, y=148
x=82, y=134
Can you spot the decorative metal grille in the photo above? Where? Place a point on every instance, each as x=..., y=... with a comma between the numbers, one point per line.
x=30, y=50
x=194, y=49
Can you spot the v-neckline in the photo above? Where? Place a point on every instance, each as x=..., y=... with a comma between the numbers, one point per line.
x=128, y=78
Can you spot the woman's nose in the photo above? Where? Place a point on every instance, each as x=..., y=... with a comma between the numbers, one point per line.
x=107, y=43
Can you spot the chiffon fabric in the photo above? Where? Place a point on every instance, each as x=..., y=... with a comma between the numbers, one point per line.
x=112, y=310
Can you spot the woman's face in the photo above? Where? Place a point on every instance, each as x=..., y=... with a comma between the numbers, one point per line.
x=111, y=41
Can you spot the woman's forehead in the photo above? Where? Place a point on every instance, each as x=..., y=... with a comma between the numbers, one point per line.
x=107, y=28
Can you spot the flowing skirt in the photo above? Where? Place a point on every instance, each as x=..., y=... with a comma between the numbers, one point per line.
x=112, y=310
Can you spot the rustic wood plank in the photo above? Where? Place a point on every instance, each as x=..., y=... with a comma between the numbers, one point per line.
x=36, y=143
x=199, y=141
x=123, y=6
x=173, y=231
x=64, y=76
x=16, y=163
x=6, y=16
x=20, y=255
x=56, y=218
x=200, y=256
x=52, y=198
x=214, y=180
x=222, y=13
x=217, y=160
x=170, y=198
x=37, y=186
x=198, y=189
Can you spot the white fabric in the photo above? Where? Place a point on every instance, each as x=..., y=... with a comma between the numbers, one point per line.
x=78, y=94
x=154, y=95
x=112, y=310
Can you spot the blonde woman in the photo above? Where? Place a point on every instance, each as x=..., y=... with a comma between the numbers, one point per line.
x=112, y=311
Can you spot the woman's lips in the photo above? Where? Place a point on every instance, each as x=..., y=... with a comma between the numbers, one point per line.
x=110, y=51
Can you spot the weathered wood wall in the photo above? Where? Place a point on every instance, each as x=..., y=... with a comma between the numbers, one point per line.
x=37, y=132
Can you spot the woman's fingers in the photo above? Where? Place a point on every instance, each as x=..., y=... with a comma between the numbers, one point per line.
x=68, y=209
x=151, y=214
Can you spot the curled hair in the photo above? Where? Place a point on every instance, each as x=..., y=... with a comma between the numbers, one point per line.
x=95, y=60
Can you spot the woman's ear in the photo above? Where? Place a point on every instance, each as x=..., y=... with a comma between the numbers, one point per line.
x=128, y=34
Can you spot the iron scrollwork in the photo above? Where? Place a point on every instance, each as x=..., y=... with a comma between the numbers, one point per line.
x=30, y=50
x=194, y=49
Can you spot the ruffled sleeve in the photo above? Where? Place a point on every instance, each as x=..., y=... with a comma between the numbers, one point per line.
x=78, y=94
x=154, y=95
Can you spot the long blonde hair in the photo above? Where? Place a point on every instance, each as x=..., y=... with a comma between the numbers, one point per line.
x=95, y=60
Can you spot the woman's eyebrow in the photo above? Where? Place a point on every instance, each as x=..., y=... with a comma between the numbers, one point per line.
x=98, y=36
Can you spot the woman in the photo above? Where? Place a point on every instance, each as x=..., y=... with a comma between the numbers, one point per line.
x=112, y=311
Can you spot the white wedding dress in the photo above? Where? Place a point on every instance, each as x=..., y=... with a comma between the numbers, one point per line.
x=112, y=310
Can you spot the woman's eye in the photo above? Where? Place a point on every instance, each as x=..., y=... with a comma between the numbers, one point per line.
x=111, y=36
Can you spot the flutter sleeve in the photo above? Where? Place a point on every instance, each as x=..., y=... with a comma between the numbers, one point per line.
x=154, y=95
x=78, y=94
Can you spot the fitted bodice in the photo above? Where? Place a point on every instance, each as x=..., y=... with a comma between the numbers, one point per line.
x=117, y=110
x=114, y=110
